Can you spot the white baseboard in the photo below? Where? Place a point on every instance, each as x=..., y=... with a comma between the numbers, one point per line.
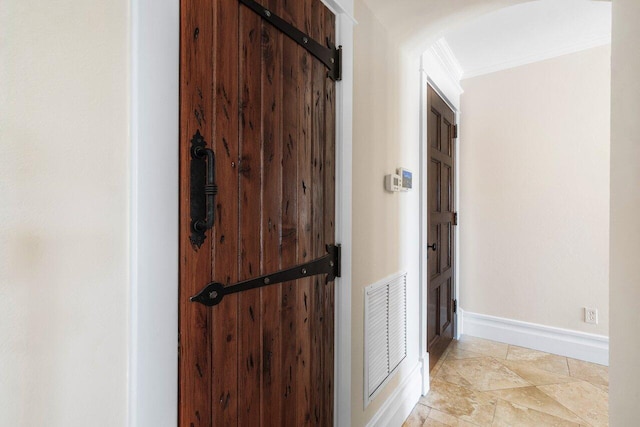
x=399, y=405
x=574, y=344
x=424, y=362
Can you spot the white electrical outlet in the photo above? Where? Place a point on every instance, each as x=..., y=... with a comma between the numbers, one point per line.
x=591, y=315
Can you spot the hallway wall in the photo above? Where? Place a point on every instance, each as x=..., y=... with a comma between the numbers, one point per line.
x=64, y=187
x=625, y=220
x=385, y=225
x=534, y=192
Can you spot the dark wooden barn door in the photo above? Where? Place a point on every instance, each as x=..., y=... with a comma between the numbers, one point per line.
x=441, y=181
x=264, y=104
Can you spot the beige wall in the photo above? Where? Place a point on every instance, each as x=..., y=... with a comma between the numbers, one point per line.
x=534, y=192
x=625, y=217
x=370, y=261
x=385, y=225
x=63, y=213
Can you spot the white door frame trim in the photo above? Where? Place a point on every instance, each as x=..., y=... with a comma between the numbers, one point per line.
x=424, y=221
x=154, y=125
x=153, y=311
x=428, y=78
x=344, y=161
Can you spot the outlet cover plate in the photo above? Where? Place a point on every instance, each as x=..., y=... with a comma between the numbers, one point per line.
x=591, y=315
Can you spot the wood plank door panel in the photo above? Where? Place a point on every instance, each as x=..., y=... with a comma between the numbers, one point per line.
x=267, y=108
x=441, y=205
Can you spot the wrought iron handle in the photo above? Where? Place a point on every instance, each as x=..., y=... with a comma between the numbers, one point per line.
x=329, y=264
x=202, y=217
x=432, y=247
x=210, y=188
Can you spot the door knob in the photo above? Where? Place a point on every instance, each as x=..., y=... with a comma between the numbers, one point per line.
x=432, y=247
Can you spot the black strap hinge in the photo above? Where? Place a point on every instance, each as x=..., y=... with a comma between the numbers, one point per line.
x=330, y=55
x=329, y=264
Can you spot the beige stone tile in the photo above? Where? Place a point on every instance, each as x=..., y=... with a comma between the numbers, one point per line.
x=445, y=354
x=461, y=402
x=468, y=384
x=602, y=387
x=437, y=366
x=510, y=415
x=449, y=374
x=532, y=398
x=483, y=374
x=546, y=361
x=418, y=416
x=437, y=418
x=478, y=345
x=456, y=353
x=591, y=372
x=443, y=358
x=433, y=423
x=584, y=399
x=536, y=376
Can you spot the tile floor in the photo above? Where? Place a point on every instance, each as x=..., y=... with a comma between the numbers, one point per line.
x=486, y=383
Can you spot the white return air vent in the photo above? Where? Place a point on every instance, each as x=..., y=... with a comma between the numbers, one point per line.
x=385, y=331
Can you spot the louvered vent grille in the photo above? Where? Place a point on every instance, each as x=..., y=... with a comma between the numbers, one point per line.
x=385, y=330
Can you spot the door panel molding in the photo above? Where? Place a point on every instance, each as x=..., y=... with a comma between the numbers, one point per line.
x=440, y=190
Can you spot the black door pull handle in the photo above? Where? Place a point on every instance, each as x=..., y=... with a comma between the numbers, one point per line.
x=432, y=247
x=203, y=188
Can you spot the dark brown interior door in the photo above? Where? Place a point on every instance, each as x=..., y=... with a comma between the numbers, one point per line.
x=440, y=254
x=264, y=104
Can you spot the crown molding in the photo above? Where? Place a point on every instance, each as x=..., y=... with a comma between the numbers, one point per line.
x=443, y=53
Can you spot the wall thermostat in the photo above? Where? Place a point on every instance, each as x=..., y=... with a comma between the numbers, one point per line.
x=407, y=178
x=393, y=182
x=400, y=181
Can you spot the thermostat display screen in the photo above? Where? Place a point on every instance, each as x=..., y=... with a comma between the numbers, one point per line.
x=406, y=178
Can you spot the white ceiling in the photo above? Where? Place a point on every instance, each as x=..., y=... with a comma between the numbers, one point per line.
x=414, y=25
x=529, y=32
